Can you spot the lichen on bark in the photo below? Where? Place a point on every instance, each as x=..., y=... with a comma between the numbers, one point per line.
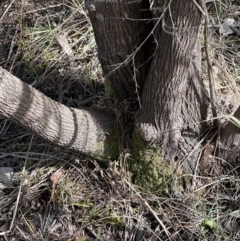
x=148, y=167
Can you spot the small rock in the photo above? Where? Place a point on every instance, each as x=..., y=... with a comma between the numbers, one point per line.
x=6, y=176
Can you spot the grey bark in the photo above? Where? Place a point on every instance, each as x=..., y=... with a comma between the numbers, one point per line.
x=230, y=141
x=172, y=98
x=80, y=130
x=173, y=101
x=120, y=27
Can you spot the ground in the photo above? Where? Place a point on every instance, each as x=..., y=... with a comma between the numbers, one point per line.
x=58, y=195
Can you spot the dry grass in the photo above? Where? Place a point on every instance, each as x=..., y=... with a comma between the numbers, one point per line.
x=57, y=195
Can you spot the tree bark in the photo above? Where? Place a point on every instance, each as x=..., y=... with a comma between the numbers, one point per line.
x=173, y=101
x=230, y=141
x=172, y=98
x=83, y=131
x=171, y=92
x=120, y=27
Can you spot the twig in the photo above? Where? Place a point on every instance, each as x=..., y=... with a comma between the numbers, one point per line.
x=209, y=65
x=150, y=209
x=8, y=7
x=19, y=193
x=20, y=187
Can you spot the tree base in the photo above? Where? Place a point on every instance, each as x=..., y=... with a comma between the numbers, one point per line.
x=148, y=167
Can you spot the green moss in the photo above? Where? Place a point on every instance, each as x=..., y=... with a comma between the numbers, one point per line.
x=113, y=93
x=108, y=88
x=111, y=147
x=149, y=169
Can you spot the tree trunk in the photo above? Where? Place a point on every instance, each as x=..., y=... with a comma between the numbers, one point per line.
x=80, y=130
x=230, y=141
x=168, y=86
x=120, y=27
x=173, y=101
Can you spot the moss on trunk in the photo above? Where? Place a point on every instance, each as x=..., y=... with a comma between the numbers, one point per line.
x=148, y=167
x=111, y=145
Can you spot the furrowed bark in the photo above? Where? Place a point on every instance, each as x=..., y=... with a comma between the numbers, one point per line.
x=173, y=102
x=120, y=27
x=230, y=141
x=79, y=130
